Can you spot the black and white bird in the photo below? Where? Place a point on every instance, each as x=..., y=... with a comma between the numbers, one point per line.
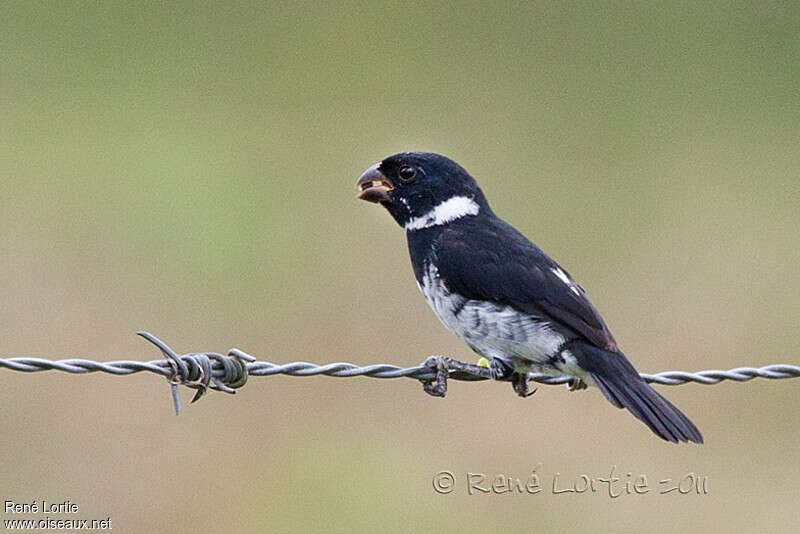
x=504, y=297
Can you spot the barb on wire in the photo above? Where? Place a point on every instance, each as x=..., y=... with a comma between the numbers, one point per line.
x=209, y=370
x=194, y=370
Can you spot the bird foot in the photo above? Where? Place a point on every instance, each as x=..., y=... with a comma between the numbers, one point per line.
x=500, y=370
x=436, y=387
x=443, y=366
x=519, y=382
x=575, y=384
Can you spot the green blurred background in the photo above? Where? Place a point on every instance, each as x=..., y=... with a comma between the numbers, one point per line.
x=189, y=169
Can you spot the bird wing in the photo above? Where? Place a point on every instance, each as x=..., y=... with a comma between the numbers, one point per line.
x=497, y=263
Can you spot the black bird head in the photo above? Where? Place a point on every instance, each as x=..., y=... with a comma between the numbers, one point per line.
x=420, y=189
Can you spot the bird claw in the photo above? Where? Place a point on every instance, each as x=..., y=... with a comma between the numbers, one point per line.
x=576, y=384
x=500, y=370
x=436, y=387
x=519, y=382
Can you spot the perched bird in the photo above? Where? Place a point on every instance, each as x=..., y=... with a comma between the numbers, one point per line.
x=504, y=297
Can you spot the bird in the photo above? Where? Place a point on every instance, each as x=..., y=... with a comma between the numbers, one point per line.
x=502, y=295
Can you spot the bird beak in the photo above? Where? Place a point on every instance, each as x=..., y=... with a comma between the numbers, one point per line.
x=373, y=186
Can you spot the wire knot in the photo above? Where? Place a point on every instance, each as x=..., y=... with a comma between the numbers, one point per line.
x=202, y=370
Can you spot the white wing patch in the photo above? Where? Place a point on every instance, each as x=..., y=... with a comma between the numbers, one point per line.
x=566, y=279
x=451, y=209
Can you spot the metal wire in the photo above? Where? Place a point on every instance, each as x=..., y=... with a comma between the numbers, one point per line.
x=210, y=370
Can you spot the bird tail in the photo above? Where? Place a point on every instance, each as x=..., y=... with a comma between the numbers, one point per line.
x=621, y=384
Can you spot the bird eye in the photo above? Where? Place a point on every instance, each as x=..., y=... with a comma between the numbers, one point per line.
x=407, y=173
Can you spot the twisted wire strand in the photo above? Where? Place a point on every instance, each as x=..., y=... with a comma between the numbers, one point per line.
x=669, y=378
x=210, y=370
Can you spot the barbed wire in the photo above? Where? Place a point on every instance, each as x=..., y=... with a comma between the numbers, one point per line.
x=209, y=370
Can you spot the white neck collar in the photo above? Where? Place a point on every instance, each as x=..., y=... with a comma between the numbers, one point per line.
x=451, y=209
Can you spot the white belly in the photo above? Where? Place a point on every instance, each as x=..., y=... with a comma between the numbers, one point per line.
x=494, y=330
